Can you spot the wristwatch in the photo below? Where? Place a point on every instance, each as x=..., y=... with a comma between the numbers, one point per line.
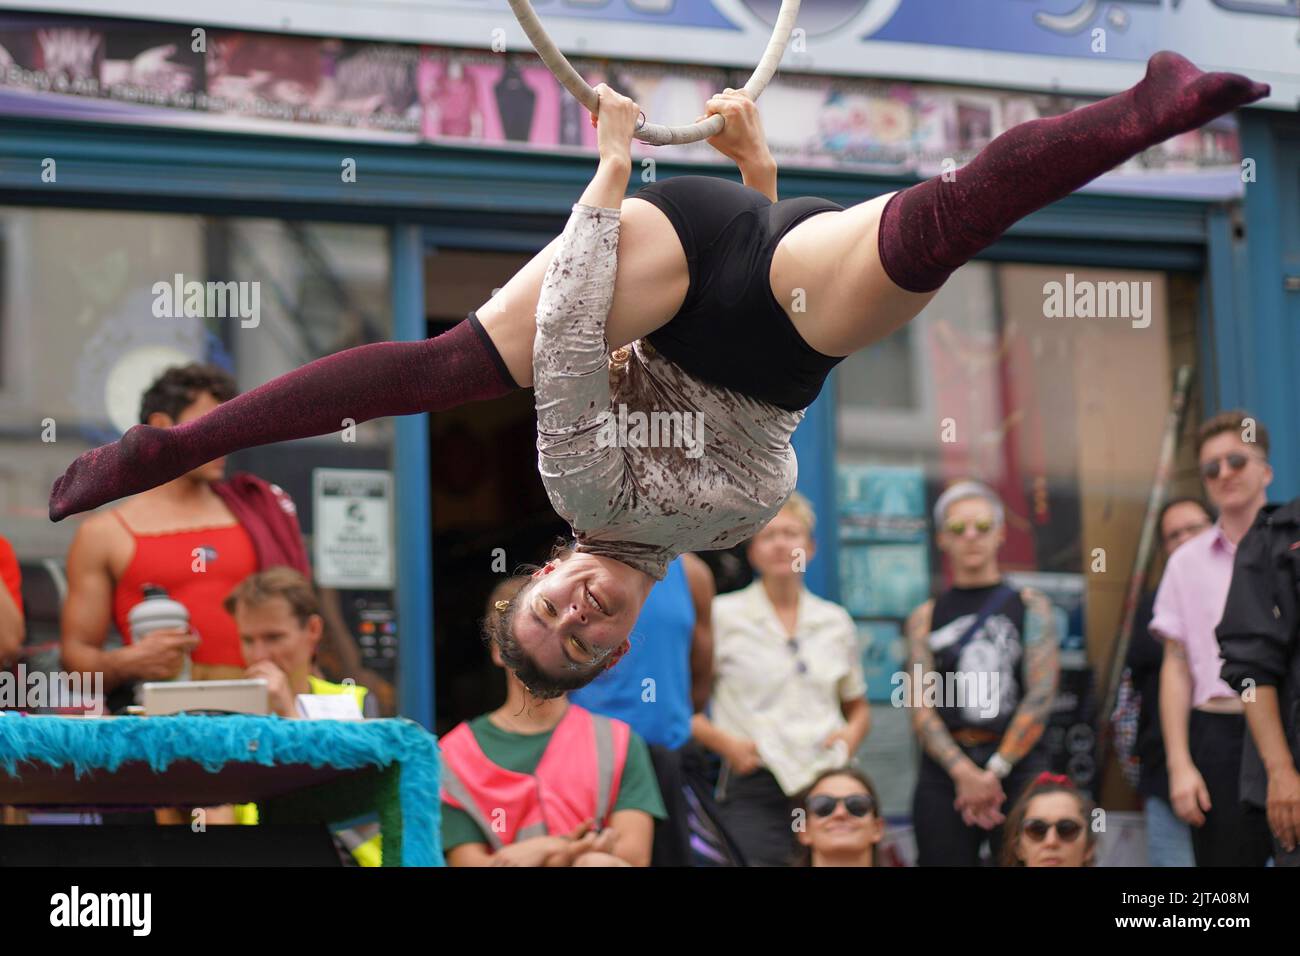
x=999, y=765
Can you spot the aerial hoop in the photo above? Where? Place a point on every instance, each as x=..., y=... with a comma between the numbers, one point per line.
x=653, y=133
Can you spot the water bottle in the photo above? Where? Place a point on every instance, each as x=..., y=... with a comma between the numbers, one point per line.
x=158, y=612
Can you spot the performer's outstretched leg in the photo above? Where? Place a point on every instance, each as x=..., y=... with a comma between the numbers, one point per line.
x=931, y=229
x=369, y=381
x=916, y=238
x=466, y=364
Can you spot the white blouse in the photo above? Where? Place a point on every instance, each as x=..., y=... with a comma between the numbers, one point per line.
x=784, y=696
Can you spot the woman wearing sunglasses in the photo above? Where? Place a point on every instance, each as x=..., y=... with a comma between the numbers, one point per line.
x=1050, y=826
x=842, y=825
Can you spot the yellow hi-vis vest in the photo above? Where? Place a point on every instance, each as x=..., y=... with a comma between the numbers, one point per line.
x=367, y=853
x=319, y=686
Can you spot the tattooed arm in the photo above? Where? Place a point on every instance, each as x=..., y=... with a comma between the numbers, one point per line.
x=930, y=728
x=1042, y=674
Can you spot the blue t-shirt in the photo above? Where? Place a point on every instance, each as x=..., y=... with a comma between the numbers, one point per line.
x=650, y=688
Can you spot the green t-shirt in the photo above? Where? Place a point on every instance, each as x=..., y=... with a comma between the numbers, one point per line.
x=638, y=790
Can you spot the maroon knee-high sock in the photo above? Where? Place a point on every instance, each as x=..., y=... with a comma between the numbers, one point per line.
x=370, y=381
x=927, y=231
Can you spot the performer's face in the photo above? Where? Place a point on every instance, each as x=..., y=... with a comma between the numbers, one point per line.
x=576, y=615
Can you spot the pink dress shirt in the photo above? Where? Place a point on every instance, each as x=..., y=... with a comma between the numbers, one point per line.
x=1190, y=603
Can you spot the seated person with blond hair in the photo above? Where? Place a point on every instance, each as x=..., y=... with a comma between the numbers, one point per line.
x=545, y=782
x=278, y=617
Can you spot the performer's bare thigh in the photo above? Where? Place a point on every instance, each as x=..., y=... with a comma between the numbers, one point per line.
x=649, y=289
x=826, y=273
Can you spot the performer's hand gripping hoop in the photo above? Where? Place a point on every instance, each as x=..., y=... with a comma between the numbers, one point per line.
x=653, y=133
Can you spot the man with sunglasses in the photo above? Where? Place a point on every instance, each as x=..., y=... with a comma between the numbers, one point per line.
x=1200, y=714
x=977, y=758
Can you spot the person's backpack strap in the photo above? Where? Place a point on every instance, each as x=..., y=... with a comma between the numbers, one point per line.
x=994, y=603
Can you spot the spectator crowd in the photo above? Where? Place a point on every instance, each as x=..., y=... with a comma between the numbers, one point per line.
x=729, y=732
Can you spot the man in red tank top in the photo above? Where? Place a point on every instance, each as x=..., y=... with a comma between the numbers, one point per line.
x=183, y=536
x=11, y=605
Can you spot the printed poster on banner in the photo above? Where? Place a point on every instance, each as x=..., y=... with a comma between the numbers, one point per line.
x=884, y=580
x=353, y=521
x=183, y=76
x=882, y=503
x=883, y=650
x=1068, y=596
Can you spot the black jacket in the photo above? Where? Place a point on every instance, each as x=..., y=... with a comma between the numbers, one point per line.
x=1260, y=625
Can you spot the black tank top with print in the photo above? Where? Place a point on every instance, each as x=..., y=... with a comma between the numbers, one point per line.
x=978, y=684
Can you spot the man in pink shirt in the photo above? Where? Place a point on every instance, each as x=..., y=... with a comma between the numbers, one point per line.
x=1201, y=716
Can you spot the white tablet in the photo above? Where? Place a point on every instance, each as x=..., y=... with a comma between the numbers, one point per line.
x=211, y=696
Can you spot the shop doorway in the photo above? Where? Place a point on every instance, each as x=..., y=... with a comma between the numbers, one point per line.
x=490, y=511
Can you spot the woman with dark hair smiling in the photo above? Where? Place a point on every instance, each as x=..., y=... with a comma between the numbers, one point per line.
x=841, y=821
x=1050, y=825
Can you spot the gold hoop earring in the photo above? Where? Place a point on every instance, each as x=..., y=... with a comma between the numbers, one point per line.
x=502, y=605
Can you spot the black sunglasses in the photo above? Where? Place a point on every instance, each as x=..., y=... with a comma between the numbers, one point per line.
x=858, y=804
x=1236, y=461
x=1068, y=830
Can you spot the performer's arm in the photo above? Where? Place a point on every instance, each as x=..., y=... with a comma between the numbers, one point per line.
x=580, y=465
x=760, y=174
x=583, y=471
x=929, y=726
x=1042, y=673
x=742, y=140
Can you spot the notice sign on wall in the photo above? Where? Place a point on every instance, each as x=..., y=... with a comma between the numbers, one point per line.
x=353, y=518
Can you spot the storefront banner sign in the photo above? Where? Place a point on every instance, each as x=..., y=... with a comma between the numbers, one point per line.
x=353, y=521
x=162, y=74
x=1087, y=46
x=112, y=70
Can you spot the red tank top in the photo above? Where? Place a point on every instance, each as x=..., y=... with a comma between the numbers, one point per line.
x=168, y=560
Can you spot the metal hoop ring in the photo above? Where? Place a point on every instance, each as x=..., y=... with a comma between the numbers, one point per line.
x=653, y=133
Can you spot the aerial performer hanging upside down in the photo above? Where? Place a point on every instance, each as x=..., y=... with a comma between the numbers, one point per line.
x=717, y=300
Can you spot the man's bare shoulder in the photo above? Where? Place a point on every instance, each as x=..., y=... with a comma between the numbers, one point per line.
x=99, y=535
